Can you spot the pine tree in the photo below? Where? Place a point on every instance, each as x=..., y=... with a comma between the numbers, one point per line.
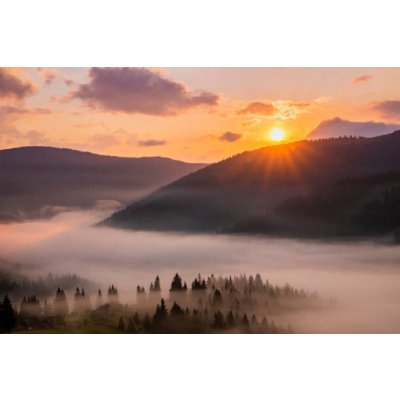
x=136, y=318
x=157, y=285
x=161, y=312
x=176, y=284
x=218, y=321
x=121, y=324
x=230, y=320
x=245, y=321
x=99, y=299
x=60, y=303
x=176, y=310
x=147, y=322
x=131, y=326
x=217, y=299
x=8, y=320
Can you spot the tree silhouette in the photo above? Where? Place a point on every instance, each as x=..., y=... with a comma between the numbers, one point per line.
x=60, y=303
x=131, y=326
x=245, y=321
x=136, y=318
x=161, y=312
x=217, y=299
x=176, y=310
x=218, y=320
x=8, y=320
x=157, y=285
x=112, y=295
x=176, y=284
x=99, y=299
x=121, y=324
x=230, y=319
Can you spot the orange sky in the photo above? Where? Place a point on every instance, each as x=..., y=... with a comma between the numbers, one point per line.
x=192, y=114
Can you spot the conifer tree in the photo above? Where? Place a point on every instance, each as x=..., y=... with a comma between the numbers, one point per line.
x=60, y=303
x=136, y=318
x=217, y=299
x=161, y=312
x=176, y=284
x=131, y=326
x=176, y=310
x=157, y=285
x=121, y=324
x=218, y=320
x=230, y=320
x=8, y=320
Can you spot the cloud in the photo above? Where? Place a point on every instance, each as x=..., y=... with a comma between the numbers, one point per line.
x=103, y=140
x=258, y=108
x=388, y=108
x=151, y=142
x=14, y=110
x=68, y=82
x=361, y=79
x=277, y=109
x=230, y=137
x=337, y=127
x=138, y=90
x=11, y=86
x=12, y=136
x=47, y=74
x=289, y=110
x=35, y=138
x=9, y=114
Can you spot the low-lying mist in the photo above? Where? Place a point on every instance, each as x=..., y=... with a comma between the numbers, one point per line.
x=363, y=277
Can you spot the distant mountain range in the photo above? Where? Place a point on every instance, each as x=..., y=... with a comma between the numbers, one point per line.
x=326, y=187
x=338, y=127
x=38, y=181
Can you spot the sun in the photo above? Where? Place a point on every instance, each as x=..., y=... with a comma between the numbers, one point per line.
x=277, y=135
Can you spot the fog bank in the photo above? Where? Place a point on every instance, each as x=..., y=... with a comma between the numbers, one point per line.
x=364, y=277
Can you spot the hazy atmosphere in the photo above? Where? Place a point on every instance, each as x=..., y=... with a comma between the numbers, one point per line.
x=363, y=276
x=199, y=200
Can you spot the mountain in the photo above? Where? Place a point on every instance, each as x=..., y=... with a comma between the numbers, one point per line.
x=36, y=181
x=302, y=188
x=336, y=127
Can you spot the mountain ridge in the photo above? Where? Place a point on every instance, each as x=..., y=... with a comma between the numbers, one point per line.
x=261, y=182
x=36, y=177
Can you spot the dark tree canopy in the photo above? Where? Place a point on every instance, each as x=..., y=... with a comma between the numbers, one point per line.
x=8, y=318
x=176, y=284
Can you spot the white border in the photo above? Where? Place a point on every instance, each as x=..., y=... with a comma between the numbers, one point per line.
x=163, y=33
x=204, y=33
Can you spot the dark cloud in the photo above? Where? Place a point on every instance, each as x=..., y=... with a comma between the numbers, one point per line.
x=388, y=108
x=151, y=142
x=361, y=79
x=230, y=136
x=337, y=127
x=258, y=108
x=12, y=86
x=139, y=90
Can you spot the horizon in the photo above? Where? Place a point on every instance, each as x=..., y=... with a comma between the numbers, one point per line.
x=199, y=115
x=270, y=145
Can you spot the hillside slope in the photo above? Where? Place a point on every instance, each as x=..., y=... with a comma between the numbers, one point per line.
x=307, y=187
x=35, y=179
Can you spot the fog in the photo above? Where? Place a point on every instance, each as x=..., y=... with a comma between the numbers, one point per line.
x=363, y=277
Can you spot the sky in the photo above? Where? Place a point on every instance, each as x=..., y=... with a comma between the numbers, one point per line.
x=191, y=114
